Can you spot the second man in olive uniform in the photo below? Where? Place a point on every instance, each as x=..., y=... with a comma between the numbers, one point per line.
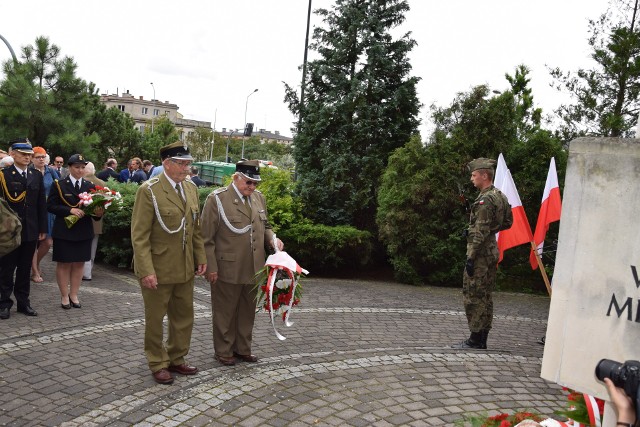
x=167, y=250
x=235, y=230
x=490, y=213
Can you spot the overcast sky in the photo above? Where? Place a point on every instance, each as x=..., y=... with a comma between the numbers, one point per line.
x=207, y=56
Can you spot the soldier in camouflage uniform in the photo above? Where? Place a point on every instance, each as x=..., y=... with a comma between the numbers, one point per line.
x=490, y=213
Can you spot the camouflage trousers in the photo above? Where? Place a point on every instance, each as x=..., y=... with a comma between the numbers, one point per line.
x=477, y=291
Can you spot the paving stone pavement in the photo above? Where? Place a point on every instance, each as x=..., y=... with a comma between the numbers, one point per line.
x=360, y=353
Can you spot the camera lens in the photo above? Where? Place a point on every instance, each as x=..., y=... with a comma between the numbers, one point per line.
x=609, y=369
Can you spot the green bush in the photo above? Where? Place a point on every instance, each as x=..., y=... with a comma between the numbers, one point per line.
x=318, y=248
x=321, y=248
x=114, y=246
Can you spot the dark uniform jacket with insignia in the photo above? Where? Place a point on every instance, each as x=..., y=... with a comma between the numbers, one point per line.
x=32, y=210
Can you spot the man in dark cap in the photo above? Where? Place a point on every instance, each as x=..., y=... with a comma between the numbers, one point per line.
x=23, y=189
x=167, y=249
x=235, y=228
x=490, y=213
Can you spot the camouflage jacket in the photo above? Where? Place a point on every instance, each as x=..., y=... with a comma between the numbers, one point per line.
x=490, y=213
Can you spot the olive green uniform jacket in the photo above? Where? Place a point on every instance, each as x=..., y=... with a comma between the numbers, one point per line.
x=160, y=251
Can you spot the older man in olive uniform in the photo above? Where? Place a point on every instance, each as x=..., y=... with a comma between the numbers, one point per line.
x=167, y=249
x=235, y=230
x=490, y=213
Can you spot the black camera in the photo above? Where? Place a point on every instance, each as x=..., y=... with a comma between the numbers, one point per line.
x=623, y=375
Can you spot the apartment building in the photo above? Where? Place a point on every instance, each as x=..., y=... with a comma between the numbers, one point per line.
x=144, y=111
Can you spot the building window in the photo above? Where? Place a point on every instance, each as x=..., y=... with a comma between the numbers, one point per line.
x=120, y=107
x=145, y=110
x=156, y=112
x=166, y=112
x=141, y=128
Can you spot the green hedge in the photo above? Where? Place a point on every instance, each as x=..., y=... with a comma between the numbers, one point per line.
x=318, y=248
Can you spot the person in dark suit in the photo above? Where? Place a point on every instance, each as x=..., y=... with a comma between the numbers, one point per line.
x=71, y=246
x=196, y=179
x=109, y=171
x=23, y=189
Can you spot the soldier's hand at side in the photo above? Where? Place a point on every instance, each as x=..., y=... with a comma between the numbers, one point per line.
x=469, y=267
x=150, y=281
x=201, y=269
x=212, y=277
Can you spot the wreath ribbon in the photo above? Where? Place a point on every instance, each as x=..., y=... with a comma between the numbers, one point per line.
x=282, y=261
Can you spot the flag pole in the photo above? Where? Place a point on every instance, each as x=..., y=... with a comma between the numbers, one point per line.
x=534, y=247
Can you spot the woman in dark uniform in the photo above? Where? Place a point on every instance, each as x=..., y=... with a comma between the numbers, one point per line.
x=71, y=246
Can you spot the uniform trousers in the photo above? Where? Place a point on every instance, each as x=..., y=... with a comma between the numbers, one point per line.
x=234, y=311
x=18, y=261
x=176, y=301
x=477, y=291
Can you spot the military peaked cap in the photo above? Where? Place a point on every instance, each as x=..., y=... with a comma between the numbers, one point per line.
x=178, y=150
x=249, y=168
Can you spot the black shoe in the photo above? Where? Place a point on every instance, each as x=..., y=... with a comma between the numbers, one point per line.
x=75, y=304
x=86, y=279
x=468, y=343
x=27, y=311
x=5, y=313
x=65, y=306
x=541, y=341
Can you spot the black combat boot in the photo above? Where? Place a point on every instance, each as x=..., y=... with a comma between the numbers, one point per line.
x=483, y=341
x=474, y=341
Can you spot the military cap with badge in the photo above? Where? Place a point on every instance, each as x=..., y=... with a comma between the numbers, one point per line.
x=250, y=169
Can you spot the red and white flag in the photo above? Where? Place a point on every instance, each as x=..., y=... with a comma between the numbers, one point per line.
x=520, y=231
x=549, y=211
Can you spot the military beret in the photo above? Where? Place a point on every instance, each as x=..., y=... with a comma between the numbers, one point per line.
x=249, y=168
x=177, y=150
x=22, y=145
x=481, y=163
x=77, y=158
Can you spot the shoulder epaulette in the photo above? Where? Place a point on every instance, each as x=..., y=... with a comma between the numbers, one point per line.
x=220, y=190
x=188, y=179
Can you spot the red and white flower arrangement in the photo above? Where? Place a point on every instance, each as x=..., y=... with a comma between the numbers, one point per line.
x=278, y=287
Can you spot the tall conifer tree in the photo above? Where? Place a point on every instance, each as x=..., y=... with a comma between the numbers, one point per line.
x=360, y=104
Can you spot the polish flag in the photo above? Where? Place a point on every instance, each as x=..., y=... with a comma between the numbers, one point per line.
x=520, y=231
x=549, y=211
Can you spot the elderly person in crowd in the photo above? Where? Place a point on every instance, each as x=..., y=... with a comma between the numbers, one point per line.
x=71, y=246
x=90, y=176
x=41, y=164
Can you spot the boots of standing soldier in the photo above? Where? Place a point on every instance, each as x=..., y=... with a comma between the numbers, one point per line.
x=474, y=341
x=483, y=341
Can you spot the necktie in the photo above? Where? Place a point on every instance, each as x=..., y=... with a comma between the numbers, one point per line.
x=247, y=205
x=179, y=192
x=78, y=185
x=24, y=176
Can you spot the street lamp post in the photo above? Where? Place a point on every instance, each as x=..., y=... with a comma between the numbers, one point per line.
x=213, y=135
x=13, y=55
x=226, y=158
x=153, y=112
x=246, y=104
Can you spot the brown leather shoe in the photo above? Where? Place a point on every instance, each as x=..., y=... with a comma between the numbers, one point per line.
x=246, y=357
x=163, y=376
x=227, y=361
x=183, y=369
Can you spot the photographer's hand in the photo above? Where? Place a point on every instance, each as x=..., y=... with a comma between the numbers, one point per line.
x=622, y=403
